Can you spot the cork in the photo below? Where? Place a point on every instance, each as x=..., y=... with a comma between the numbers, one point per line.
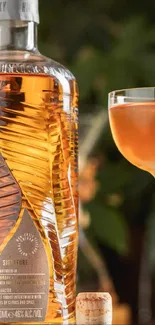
x=94, y=308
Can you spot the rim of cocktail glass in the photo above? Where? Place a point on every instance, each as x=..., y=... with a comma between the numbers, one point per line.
x=128, y=95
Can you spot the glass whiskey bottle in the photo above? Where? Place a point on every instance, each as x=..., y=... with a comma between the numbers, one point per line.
x=38, y=175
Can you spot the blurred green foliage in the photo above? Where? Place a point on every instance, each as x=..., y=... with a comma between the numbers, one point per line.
x=108, y=45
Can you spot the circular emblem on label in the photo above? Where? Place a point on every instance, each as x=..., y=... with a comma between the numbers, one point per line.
x=27, y=244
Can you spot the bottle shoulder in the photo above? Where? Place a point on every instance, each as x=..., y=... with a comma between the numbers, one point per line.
x=53, y=67
x=24, y=62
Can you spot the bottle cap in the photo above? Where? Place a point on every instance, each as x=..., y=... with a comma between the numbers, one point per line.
x=25, y=10
x=94, y=308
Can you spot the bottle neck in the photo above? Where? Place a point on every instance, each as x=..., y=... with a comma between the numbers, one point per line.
x=18, y=35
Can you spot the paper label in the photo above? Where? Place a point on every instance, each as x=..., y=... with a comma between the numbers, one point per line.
x=24, y=276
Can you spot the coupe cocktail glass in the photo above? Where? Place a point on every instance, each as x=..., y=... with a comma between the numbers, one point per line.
x=132, y=122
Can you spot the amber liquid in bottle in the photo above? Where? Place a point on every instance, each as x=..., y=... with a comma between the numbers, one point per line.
x=39, y=143
x=133, y=129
